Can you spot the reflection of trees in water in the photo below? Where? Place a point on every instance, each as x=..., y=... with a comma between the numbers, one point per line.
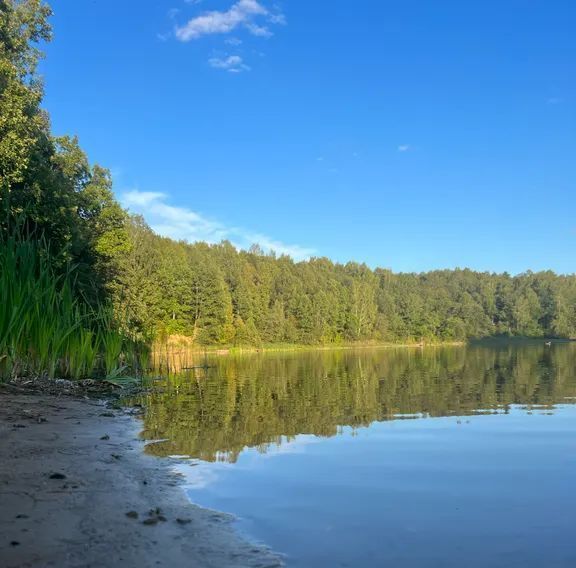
x=255, y=400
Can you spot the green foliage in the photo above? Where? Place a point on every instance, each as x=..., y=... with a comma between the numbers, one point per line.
x=45, y=329
x=23, y=23
x=61, y=230
x=46, y=181
x=216, y=294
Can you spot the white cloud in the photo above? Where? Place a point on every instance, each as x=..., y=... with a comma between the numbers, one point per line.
x=163, y=37
x=404, y=148
x=181, y=223
x=233, y=41
x=232, y=64
x=142, y=198
x=261, y=31
x=242, y=14
x=277, y=18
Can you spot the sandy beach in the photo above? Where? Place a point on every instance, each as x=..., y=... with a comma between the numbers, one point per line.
x=76, y=490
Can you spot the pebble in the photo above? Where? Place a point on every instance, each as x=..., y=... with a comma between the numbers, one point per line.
x=57, y=476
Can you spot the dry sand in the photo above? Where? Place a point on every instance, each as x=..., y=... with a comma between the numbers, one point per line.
x=71, y=470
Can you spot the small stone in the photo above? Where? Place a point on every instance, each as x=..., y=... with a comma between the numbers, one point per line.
x=132, y=514
x=183, y=521
x=14, y=543
x=57, y=476
x=107, y=414
x=22, y=516
x=106, y=437
x=151, y=521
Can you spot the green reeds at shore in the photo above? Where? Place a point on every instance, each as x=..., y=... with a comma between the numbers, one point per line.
x=46, y=330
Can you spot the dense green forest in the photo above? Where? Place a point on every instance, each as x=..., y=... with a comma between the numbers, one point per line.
x=218, y=295
x=104, y=260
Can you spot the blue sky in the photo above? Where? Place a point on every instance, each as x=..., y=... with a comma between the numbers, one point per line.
x=408, y=134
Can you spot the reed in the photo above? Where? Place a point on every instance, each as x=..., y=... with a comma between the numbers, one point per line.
x=45, y=329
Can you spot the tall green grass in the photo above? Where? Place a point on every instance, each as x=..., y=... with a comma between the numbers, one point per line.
x=45, y=329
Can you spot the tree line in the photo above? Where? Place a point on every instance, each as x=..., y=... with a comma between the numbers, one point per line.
x=216, y=294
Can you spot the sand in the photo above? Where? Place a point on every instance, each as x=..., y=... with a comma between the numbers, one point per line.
x=76, y=490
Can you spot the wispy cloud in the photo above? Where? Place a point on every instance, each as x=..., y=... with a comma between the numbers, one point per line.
x=232, y=64
x=182, y=223
x=233, y=41
x=404, y=148
x=242, y=14
x=261, y=31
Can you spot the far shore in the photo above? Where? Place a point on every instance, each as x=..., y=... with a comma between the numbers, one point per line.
x=183, y=344
x=177, y=347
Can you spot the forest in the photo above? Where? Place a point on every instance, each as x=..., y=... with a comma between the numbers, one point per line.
x=216, y=294
x=125, y=285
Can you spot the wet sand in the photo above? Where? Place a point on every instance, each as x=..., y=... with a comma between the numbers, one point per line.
x=76, y=490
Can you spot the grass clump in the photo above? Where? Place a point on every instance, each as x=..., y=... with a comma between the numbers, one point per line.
x=46, y=329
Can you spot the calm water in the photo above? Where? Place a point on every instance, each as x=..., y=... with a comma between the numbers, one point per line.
x=455, y=457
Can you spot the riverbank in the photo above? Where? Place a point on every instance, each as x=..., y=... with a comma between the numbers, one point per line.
x=77, y=490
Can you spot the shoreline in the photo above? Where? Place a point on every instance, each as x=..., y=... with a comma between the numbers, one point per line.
x=78, y=490
x=286, y=348
x=177, y=348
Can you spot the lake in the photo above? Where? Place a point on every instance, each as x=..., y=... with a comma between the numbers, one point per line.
x=434, y=457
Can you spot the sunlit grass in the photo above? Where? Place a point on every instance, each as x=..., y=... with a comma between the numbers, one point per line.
x=45, y=329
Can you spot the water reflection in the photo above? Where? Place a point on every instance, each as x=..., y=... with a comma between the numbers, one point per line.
x=267, y=399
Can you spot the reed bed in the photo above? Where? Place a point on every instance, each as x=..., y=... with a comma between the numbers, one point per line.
x=47, y=330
